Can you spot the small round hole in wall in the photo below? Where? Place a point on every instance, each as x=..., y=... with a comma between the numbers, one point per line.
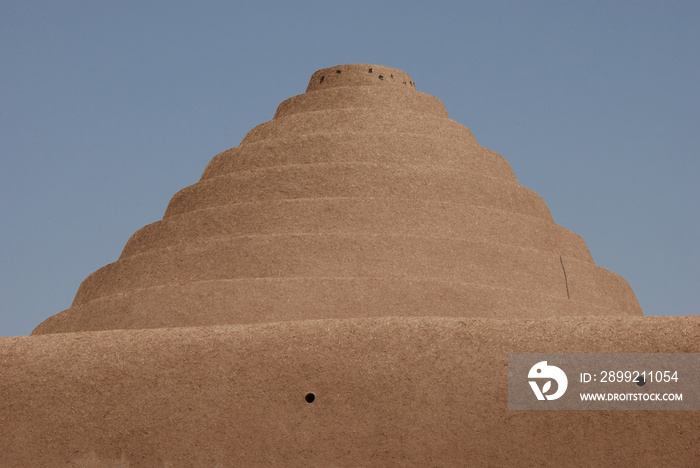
x=310, y=397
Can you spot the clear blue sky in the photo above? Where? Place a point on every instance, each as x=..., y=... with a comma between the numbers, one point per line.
x=109, y=108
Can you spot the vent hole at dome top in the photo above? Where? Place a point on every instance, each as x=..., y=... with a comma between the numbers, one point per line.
x=322, y=78
x=338, y=72
x=310, y=397
x=370, y=70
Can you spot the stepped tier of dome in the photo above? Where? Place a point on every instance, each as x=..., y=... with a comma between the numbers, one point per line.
x=361, y=198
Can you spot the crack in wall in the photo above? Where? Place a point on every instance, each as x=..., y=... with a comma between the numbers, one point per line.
x=565, y=280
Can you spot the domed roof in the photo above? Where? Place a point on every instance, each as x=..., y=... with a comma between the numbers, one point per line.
x=360, y=198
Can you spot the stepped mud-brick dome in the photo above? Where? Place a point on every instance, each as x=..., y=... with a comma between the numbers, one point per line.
x=342, y=289
x=360, y=198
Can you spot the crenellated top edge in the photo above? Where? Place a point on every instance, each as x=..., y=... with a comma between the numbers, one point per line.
x=358, y=74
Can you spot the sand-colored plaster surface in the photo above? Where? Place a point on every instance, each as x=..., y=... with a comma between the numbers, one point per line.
x=388, y=392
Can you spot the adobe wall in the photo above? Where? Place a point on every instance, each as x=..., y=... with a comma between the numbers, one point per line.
x=388, y=392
